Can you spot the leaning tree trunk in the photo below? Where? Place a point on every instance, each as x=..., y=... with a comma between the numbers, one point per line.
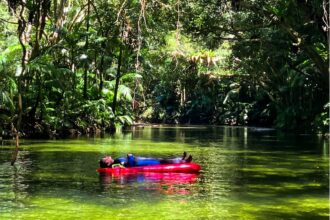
x=22, y=37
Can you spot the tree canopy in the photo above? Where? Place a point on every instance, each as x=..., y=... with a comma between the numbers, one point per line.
x=69, y=66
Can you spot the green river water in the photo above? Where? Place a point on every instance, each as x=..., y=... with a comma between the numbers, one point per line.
x=246, y=173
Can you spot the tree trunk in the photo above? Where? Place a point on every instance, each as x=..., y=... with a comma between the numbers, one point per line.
x=114, y=103
x=86, y=50
x=101, y=74
x=58, y=20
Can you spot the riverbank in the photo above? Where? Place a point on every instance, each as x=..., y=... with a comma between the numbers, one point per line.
x=96, y=132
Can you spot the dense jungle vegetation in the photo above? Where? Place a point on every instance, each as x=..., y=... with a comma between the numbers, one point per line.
x=84, y=66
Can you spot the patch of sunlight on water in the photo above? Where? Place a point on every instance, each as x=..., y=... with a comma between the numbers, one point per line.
x=180, y=208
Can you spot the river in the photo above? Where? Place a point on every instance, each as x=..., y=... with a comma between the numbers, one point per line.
x=247, y=173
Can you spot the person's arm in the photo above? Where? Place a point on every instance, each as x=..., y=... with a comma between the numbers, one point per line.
x=131, y=160
x=121, y=161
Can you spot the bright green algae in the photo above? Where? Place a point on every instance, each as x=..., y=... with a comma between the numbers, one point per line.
x=245, y=175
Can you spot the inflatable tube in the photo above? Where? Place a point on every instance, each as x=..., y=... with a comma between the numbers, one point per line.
x=163, y=168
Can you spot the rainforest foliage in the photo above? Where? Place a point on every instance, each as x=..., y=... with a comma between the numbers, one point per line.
x=91, y=65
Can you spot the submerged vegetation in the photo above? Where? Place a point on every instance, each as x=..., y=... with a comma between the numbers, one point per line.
x=86, y=66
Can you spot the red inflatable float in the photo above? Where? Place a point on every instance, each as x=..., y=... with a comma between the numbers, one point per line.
x=163, y=168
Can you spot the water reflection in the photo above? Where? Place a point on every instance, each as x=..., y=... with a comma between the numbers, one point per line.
x=13, y=184
x=165, y=183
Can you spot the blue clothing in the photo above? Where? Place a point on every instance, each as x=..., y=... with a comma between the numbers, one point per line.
x=132, y=161
x=137, y=161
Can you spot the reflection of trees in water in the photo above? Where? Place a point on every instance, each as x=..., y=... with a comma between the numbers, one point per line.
x=16, y=183
x=222, y=157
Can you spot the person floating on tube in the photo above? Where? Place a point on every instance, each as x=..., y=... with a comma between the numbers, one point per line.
x=133, y=161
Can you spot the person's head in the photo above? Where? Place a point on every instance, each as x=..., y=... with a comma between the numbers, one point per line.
x=106, y=161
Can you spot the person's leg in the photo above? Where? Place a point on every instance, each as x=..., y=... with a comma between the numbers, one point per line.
x=184, y=155
x=171, y=161
x=187, y=159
